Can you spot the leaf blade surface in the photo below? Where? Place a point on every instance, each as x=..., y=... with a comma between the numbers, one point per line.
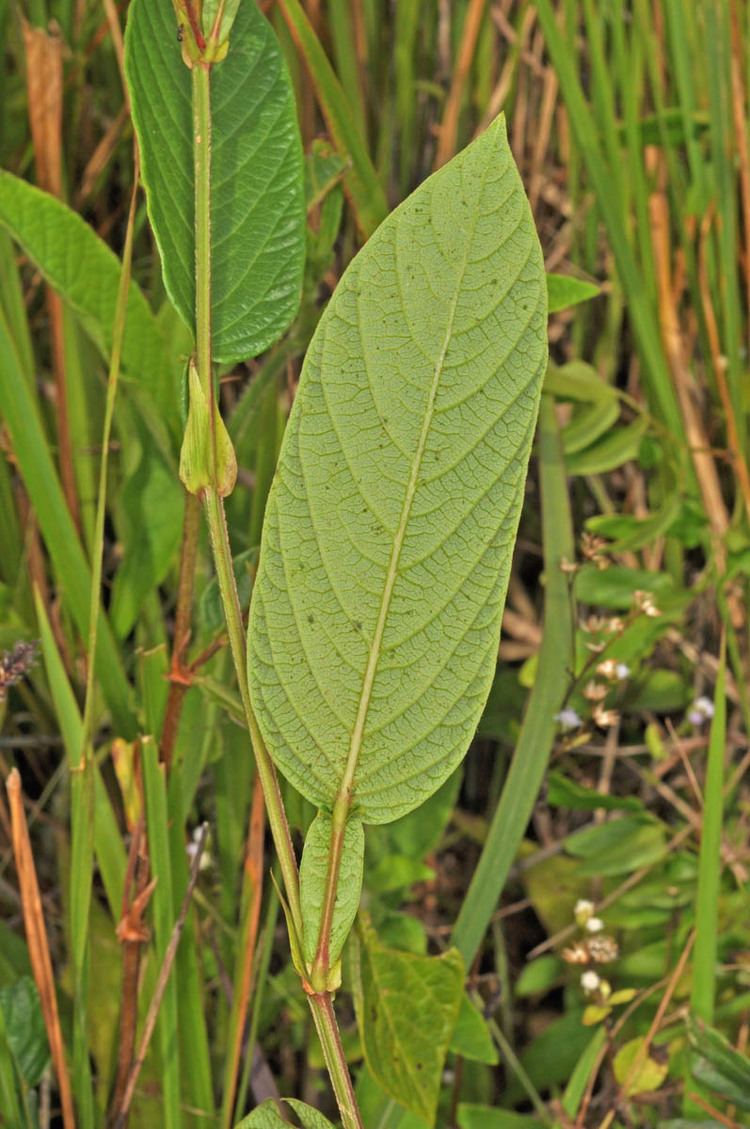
x=257, y=185
x=390, y=526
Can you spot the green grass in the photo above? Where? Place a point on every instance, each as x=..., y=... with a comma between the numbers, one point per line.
x=648, y=822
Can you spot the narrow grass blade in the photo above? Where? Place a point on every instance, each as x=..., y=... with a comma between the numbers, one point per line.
x=191, y=999
x=157, y=821
x=361, y=181
x=110, y=853
x=702, y=996
x=21, y=414
x=538, y=730
x=587, y=136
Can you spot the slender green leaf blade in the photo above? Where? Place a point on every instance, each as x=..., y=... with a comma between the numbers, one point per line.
x=157, y=823
x=313, y=875
x=719, y=1066
x=20, y=412
x=257, y=205
x=86, y=274
x=389, y=530
x=407, y=1009
x=702, y=995
x=537, y=734
x=360, y=180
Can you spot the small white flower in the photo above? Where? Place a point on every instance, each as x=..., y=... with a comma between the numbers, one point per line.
x=584, y=909
x=622, y=670
x=191, y=849
x=590, y=980
x=568, y=719
x=594, y=925
x=701, y=710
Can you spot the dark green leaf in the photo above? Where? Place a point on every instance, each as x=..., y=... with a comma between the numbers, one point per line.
x=257, y=207
x=565, y=793
x=24, y=1029
x=407, y=1007
x=471, y=1037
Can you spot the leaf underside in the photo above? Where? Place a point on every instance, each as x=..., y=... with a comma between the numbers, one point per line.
x=313, y=875
x=390, y=526
x=257, y=207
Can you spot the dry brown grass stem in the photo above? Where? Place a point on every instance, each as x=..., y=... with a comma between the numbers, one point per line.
x=448, y=135
x=38, y=945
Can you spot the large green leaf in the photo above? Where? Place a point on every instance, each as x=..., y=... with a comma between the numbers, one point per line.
x=389, y=530
x=407, y=1010
x=257, y=206
x=86, y=274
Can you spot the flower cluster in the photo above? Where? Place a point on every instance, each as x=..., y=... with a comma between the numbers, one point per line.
x=594, y=947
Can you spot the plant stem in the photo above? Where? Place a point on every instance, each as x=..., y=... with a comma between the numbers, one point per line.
x=213, y=505
x=217, y=528
x=320, y=1003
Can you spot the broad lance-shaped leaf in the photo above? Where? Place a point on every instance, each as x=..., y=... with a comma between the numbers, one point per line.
x=407, y=1009
x=257, y=205
x=390, y=526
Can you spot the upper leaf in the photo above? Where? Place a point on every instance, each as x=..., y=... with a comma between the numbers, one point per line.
x=257, y=204
x=390, y=527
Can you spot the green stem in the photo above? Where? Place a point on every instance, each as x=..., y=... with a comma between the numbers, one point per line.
x=213, y=504
x=320, y=1003
x=217, y=527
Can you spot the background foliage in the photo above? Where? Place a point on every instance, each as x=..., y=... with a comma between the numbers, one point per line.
x=622, y=687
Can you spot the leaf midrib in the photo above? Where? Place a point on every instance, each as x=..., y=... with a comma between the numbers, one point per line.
x=346, y=790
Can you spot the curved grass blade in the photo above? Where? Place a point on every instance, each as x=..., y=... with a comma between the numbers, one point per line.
x=389, y=531
x=361, y=182
x=86, y=273
x=257, y=203
x=537, y=733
